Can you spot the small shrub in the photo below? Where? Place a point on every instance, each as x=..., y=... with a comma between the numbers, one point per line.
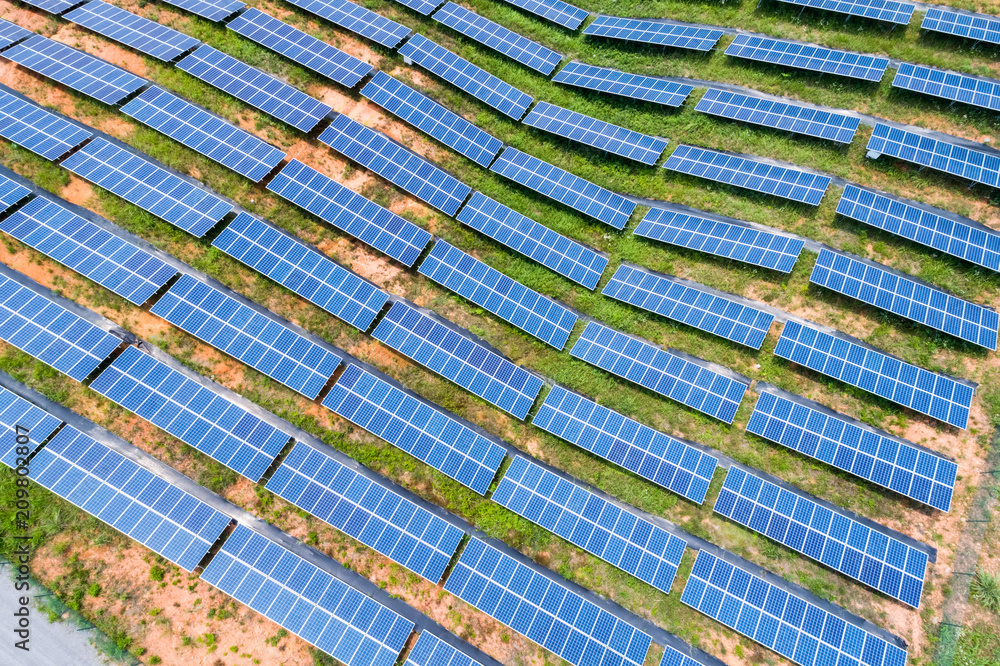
x=157, y=572
x=94, y=590
x=986, y=590
x=155, y=660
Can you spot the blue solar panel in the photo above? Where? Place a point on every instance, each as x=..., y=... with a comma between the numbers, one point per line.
x=357, y=19
x=11, y=192
x=204, y=132
x=957, y=160
x=424, y=113
x=52, y=6
x=493, y=291
x=826, y=533
x=809, y=57
x=432, y=651
x=140, y=33
x=873, y=455
x=906, y=297
x=417, y=426
x=557, y=11
x=396, y=164
x=939, y=396
x=790, y=623
x=264, y=343
x=93, y=251
x=651, y=454
x=980, y=27
x=687, y=302
x=302, y=269
x=779, y=115
x=36, y=129
x=307, y=601
x=674, y=657
x=20, y=417
x=661, y=33
x=424, y=7
x=952, y=86
x=752, y=174
x=668, y=374
x=458, y=358
x=141, y=182
x=11, y=32
x=213, y=10
x=460, y=72
x=633, y=86
x=259, y=90
x=880, y=10
x=544, y=610
x=577, y=193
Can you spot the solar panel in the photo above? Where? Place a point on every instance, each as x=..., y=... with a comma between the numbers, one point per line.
x=577, y=193
x=646, y=31
x=479, y=83
x=93, y=251
x=825, y=533
x=52, y=6
x=299, y=47
x=18, y=417
x=963, y=239
x=495, y=36
x=425, y=114
x=302, y=269
x=11, y=192
x=213, y=10
x=150, y=187
x=196, y=412
x=417, y=426
x=424, y=7
x=857, y=448
x=980, y=27
x=751, y=174
x=357, y=19
x=880, y=10
x=674, y=657
x=957, y=160
x=907, y=297
x=432, y=651
x=809, y=57
x=690, y=303
x=36, y=129
x=140, y=33
x=75, y=69
x=259, y=90
x=633, y=86
x=204, y=132
x=854, y=363
x=458, y=358
x=566, y=257
x=265, y=343
x=790, y=623
x=952, y=86
x=11, y=32
x=666, y=373
x=557, y=11
x=307, y=601
x=779, y=115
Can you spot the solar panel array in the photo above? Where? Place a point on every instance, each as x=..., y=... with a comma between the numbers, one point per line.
x=479, y=83
x=824, y=533
x=12, y=32
x=417, y=426
x=18, y=416
x=459, y=359
x=432, y=651
x=493, y=291
x=302, y=269
x=751, y=174
x=425, y=114
x=357, y=19
x=789, y=624
x=974, y=165
x=266, y=345
x=396, y=164
x=619, y=537
x=198, y=416
x=213, y=10
x=808, y=57
x=952, y=86
x=662, y=459
x=677, y=35
x=545, y=611
x=779, y=115
x=577, y=193
x=939, y=396
x=424, y=7
x=880, y=10
x=307, y=601
x=34, y=128
x=633, y=86
x=11, y=192
x=674, y=657
x=906, y=297
x=52, y=6
x=152, y=188
x=868, y=453
x=557, y=11
x=665, y=373
x=979, y=27
x=140, y=33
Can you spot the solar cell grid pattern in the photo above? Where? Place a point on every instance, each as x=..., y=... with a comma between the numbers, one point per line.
x=52, y=6
x=36, y=129
x=577, y=193
x=507, y=298
x=205, y=133
x=425, y=114
x=558, y=12
x=880, y=10
x=977, y=166
x=303, y=270
x=657, y=370
x=34, y=422
x=11, y=192
x=259, y=90
x=213, y=10
x=938, y=396
x=236, y=328
x=779, y=115
x=649, y=453
x=432, y=651
x=633, y=544
x=826, y=535
x=809, y=57
x=495, y=36
x=105, y=258
x=307, y=601
x=11, y=32
x=399, y=166
x=140, y=33
x=674, y=657
x=677, y=35
x=870, y=454
x=357, y=19
x=633, y=86
x=459, y=359
x=424, y=7
x=194, y=414
x=461, y=73
x=419, y=427
x=979, y=27
x=947, y=85
x=788, y=624
x=373, y=514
